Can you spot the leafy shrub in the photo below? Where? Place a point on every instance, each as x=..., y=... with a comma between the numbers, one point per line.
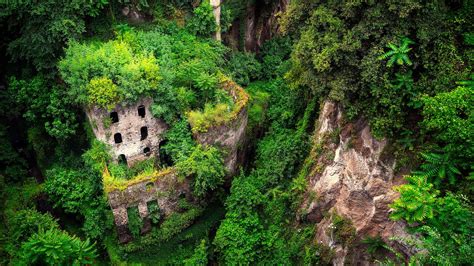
x=212, y=115
x=244, y=67
x=103, y=92
x=56, y=247
x=199, y=258
x=25, y=223
x=135, y=222
x=438, y=167
x=206, y=165
x=203, y=22
x=90, y=69
x=450, y=115
x=179, y=141
x=417, y=200
x=45, y=105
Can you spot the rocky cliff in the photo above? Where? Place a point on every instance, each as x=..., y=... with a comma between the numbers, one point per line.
x=349, y=189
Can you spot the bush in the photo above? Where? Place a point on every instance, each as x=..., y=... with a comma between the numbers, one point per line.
x=243, y=67
x=203, y=22
x=56, y=247
x=206, y=166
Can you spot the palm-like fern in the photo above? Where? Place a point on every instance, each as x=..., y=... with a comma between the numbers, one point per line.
x=398, y=54
x=438, y=167
x=416, y=202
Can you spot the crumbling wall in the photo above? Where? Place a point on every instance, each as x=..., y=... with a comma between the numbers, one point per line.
x=129, y=124
x=230, y=137
x=166, y=190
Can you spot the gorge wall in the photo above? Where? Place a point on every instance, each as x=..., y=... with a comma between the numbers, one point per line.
x=351, y=178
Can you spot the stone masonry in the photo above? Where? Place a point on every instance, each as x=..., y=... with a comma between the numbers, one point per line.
x=131, y=130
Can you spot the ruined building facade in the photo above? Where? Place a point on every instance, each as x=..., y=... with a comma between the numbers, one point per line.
x=134, y=134
x=131, y=130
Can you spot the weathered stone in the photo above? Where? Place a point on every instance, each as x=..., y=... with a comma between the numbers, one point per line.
x=129, y=126
x=356, y=184
x=165, y=190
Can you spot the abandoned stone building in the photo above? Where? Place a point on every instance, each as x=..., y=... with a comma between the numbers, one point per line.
x=134, y=134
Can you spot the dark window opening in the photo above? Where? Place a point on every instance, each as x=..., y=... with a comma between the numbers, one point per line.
x=118, y=138
x=143, y=133
x=146, y=151
x=141, y=111
x=122, y=159
x=165, y=158
x=114, y=117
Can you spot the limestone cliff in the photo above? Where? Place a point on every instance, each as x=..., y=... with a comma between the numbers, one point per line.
x=351, y=179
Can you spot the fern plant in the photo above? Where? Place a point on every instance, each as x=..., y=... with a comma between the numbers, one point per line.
x=398, y=54
x=438, y=167
x=417, y=200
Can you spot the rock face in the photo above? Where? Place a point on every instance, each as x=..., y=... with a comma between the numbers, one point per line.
x=351, y=178
x=258, y=24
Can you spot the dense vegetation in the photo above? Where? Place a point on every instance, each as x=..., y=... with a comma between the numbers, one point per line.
x=405, y=67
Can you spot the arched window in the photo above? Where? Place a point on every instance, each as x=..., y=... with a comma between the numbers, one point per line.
x=114, y=117
x=118, y=138
x=141, y=110
x=143, y=133
x=147, y=151
x=122, y=159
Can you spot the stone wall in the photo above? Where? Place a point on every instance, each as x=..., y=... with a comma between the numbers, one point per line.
x=129, y=125
x=166, y=190
x=231, y=135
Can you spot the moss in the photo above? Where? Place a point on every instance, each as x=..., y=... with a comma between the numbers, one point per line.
x=343, y=229
x=325, y=254
x=220, y=113
x=111, y=183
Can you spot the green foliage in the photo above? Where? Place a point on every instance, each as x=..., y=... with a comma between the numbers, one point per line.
x=203, y=22
x=135, y=222
x=244, y=67
x=97, y=156
x=211, y=115
x=65, y=188
x=438, y=167
x=254, y=228
x=337, y=55
x=343, y=230
x=39, y=30
x=107, y=73
x=154, y=212
x=206, y=166
x=450, y=115
x=398, y=54
x=179, y=141
x=23, y=224
x=199, y=258
x=274, y=54
x=55, y=247
x=103, y=92
x=417, y=200
x=45, y=105
x=79, y=192
x=374, y=244
x=440, y=251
